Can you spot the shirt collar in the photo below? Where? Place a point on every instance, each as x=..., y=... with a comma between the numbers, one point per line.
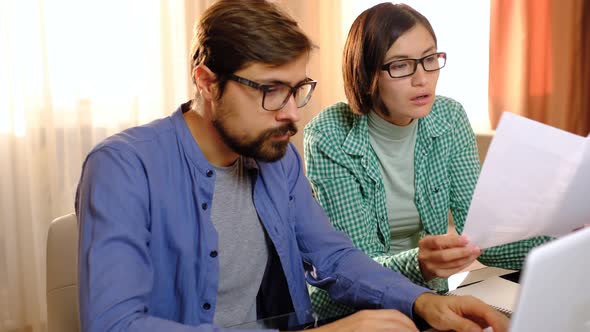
x=434, y=123
x=357, y=140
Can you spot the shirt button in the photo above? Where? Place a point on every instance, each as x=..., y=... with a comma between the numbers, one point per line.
x=206, y=306
x=204, y=206
x=209, y=173
x=213, y=253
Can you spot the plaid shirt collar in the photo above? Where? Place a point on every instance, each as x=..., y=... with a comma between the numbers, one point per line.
x=357, y=141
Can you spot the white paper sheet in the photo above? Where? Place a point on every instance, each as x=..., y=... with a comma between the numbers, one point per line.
x=535, y=181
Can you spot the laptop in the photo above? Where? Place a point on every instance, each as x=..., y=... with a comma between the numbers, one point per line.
x=554, y=293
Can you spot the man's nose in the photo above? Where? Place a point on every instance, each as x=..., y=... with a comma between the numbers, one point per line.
x=290, y=111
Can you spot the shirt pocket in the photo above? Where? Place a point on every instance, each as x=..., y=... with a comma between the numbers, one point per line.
x=438, y=194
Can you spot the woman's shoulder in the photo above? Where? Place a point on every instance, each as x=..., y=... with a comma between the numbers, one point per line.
x=447, y=107
x=448, y=116
x=447, y=111
x=334, y=121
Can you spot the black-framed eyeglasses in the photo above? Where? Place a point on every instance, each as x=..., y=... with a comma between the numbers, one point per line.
x=275, y=96
x=407, y=67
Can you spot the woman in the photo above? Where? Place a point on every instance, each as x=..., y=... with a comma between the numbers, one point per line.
x=389, y=166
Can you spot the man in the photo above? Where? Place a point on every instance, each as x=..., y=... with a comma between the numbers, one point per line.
x=204, y=219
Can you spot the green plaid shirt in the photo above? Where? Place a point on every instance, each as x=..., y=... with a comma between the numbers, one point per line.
x=344, y=172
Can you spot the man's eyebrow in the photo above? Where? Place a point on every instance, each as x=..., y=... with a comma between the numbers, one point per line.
x=271, y=81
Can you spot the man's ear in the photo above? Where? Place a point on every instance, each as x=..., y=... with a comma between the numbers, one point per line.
x=206, y=82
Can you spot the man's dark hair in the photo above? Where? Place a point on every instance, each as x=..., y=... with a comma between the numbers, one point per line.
x=234, y=33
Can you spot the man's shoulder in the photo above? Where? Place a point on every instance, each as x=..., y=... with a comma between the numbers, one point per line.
x=334, y=121
x=151, y=136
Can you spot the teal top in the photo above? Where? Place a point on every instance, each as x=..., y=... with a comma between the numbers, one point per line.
x=394, y=147
x=347, y=181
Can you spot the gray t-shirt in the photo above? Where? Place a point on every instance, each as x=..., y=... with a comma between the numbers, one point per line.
x=394, y=146
x=242, y=252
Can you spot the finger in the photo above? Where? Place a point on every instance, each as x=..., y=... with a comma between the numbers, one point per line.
x=385, y=320
x=449, y=255
x=460, y=324
x=446, y=273
x=443, y=241
x=454, y=264
x=445, y=270
x=459, y=313
x=404, y=320
x=484, y=314
x=394, y=316
x=456, y=319
x=469, y=310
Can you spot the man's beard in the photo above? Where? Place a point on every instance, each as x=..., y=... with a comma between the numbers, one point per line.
x=261, y=147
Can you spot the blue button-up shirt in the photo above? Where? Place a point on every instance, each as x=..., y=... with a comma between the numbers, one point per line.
x=147, y=252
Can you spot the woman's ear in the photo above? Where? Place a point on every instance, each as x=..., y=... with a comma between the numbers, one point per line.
x=205, y=80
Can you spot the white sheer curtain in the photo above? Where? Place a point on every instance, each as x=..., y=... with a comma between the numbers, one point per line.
x=327, y=23
x=71, y=73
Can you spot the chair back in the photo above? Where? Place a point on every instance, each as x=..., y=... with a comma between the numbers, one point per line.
x=62, y=275
x=483, y=139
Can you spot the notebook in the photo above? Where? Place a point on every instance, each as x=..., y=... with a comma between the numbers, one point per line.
x=496, y=291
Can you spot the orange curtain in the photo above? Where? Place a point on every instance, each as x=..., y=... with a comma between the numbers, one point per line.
x=539, y=62
x=584, y=120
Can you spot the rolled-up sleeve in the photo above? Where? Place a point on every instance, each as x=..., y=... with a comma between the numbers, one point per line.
x=334, y=264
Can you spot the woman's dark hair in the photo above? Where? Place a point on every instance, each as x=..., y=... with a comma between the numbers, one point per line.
x=370, y=37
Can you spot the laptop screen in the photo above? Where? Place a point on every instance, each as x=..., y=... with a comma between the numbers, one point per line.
x=554, y=293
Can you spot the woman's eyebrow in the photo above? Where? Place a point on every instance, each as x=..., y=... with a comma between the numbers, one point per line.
x=403, y=56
